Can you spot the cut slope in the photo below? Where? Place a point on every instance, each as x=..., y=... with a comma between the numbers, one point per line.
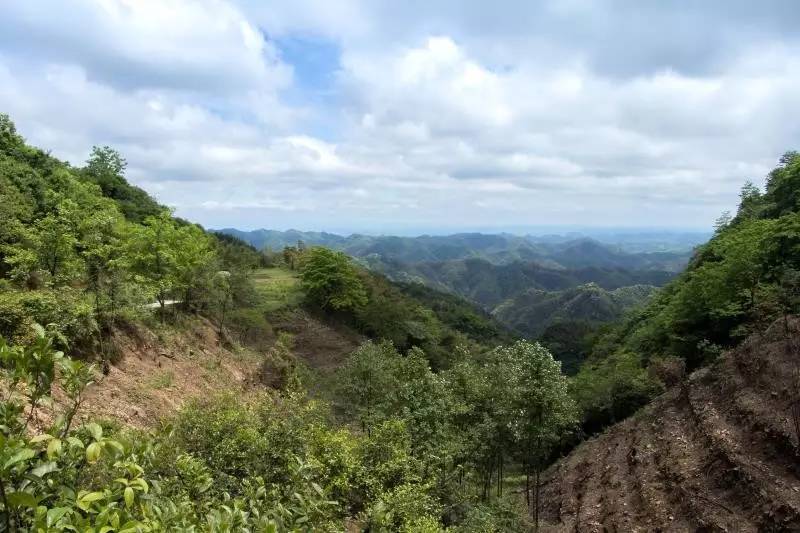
x=717, y=453
x=156, y=376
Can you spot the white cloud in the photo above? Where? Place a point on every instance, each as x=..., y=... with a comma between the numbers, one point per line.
x=203, y=46
x=443, y=117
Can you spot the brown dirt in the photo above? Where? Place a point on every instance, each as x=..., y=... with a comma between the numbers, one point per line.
x=719, y=452
x=155, y=377
x=157, y=374
x=321, y=346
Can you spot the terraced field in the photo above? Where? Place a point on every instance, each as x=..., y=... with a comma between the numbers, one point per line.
x=717, y=453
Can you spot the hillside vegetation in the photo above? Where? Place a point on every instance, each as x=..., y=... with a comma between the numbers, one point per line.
x=300, y=391
x=718, y=451
x=533, y=311
x=521, y=281
x=164, y=321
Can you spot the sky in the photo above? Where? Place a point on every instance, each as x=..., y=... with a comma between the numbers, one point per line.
x=418, y=116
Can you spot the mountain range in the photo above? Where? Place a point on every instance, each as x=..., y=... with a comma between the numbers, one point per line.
x=640, y=251
x=528, y=283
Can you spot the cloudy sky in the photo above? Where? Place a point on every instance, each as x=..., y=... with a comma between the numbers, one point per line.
x=387, y=116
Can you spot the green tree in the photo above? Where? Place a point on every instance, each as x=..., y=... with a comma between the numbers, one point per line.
x=367, y=380
x=332, y=281
x=544, y=408
x=152, y=256
x=194, y=266
x=56, y=239
x=106, y=167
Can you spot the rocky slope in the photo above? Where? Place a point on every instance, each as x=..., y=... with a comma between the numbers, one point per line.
x=718, y=452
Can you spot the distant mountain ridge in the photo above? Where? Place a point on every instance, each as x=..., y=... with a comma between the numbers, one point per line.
x=566, y=252
x=489, y=284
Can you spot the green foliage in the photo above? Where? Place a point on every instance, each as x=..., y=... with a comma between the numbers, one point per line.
x=501, y=515
x=171, y=260
x=331, y=281
x=610, y=389
x=68, y=311
x=741, y=281
x=408, y=508
x=82, y=479
x=458, y=314
x=570, y=342
x=85, y=250
x=106, y=168
x=511, y=403
x=733, y=283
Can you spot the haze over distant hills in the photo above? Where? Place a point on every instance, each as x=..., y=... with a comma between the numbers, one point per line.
x=627, y=249
x=530, y=283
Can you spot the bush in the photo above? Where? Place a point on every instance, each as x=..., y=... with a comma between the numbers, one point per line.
x=70, y=313
x=408, y=507
x=611, y=389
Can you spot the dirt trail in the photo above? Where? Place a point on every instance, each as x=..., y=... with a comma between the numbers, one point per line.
x=717, y=453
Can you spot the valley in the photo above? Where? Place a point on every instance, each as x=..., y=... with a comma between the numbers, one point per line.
x=399, y=267
x=527, y=283
x=415, y=385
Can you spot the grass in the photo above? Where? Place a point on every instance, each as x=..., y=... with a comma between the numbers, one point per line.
x=163, y=380
x=278, y=288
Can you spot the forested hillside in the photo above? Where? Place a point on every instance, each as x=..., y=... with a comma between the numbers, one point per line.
x=718, y=451
x=301, y=391
x=281, y=413
x=739, y=283
x=532, y=311
x=509, y=276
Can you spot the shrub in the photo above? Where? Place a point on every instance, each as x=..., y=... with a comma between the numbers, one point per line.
x=70, y=314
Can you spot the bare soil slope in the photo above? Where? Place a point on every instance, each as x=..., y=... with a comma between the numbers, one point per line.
x=156, y=376
x=717, y=453
x=322, y=346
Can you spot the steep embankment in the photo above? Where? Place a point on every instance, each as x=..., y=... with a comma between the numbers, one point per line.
x=157, y=373
x=717, y=453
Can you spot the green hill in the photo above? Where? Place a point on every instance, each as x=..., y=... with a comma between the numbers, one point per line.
x=532, y=311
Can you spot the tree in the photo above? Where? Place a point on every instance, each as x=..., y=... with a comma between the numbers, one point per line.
x=291, y=256
x=194, y=264
x=56, y=240
x=332, y=281
x=367, y=380
x=106, y=167
x=105, y=161
x=544, y=409
x=151, y=255
x=170, y=259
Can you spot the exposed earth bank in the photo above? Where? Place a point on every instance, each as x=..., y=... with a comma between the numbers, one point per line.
x=719, y=452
